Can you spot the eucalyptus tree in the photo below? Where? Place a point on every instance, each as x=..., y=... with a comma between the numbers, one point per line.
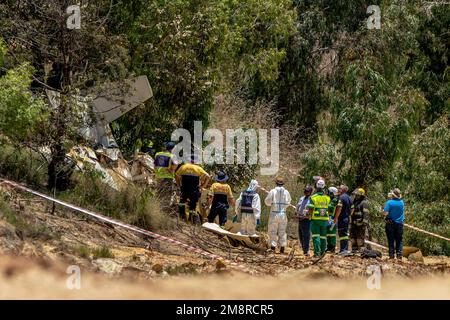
x=72, y=54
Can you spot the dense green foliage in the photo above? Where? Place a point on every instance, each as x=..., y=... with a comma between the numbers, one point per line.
x=191, y=50
x=391, y=84
x=67, y=62
x=20, y=112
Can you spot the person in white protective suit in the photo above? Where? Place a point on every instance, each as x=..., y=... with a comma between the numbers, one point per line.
x=279, y=199
x=249, y=206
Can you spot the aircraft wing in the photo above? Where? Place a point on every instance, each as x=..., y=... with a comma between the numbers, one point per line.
x=137, y=91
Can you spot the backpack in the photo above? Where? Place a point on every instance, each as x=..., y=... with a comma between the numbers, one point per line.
x=246, y=201
x=304, y=214
x=370, y=254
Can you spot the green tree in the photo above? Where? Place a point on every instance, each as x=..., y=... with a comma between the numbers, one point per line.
x=434, y=41
x=20, y=112
x=375, y=109
x=67, y=64
x=174, y=44
x=192, y=50
x=319, y=37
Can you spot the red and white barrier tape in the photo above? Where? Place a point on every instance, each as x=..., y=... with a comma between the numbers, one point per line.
x=124, y=225
x=167, y=239
x=376, y=244
x=406, y=225
x=379, y=245
x=426, y=232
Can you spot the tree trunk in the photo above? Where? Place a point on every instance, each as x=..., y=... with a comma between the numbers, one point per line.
x=59, y=171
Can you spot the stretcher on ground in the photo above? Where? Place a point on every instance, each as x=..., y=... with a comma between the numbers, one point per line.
x=230, y=233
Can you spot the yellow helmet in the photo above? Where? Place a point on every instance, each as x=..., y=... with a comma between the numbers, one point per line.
x=359, y=192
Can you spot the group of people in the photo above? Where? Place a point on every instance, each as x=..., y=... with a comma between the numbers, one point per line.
x=192, y=179
x=325, y=214
x=322, y=213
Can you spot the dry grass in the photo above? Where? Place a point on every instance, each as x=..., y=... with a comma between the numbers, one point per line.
x=231, y=112
x=133, y=204
x=102, y=252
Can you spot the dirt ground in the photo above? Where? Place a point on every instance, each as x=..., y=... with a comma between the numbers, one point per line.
x=37, y=250
x=25, y=279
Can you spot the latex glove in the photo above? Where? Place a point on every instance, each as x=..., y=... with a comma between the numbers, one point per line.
x=331, y=224
x=258, y=222
x=235, y=218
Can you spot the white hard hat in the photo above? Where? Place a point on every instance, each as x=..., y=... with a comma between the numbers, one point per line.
x=320, y=184
x=333, y=190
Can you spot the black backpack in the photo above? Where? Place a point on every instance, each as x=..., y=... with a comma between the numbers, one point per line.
x=246, y=201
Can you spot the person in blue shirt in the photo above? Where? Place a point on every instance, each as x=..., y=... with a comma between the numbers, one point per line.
x=394, y=212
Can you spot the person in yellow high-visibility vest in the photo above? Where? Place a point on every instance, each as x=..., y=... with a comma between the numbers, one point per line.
x=165, y=166
x=318, y=210
x=192, y=179
x=221, y=200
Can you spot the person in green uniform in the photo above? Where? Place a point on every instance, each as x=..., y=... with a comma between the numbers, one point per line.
x=318, y=209
x=331, y=228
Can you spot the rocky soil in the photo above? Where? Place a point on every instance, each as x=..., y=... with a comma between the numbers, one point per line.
x=37, y=247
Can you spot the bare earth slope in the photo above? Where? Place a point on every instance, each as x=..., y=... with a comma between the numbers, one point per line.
x=37, y=249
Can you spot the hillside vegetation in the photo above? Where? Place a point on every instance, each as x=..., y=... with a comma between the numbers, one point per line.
x=365, y=107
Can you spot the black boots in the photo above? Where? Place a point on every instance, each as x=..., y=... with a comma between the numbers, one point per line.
x=273, y=249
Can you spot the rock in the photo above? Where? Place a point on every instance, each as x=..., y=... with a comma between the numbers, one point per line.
x=409, y=250
x=9, y=240
x=109, y=266
x=413, y=254
x=158, y=268
x=7, y=231
x=139, y=257
x=416, y=257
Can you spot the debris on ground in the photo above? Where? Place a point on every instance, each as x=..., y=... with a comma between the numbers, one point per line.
x=69, y=238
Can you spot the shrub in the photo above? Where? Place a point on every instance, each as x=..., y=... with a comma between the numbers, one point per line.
x=132, y=204
x=22, y=165
x=22, y=225
x=83, y=251
x=102, y=252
